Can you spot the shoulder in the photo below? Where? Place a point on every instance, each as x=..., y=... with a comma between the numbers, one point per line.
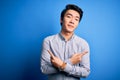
x=51, y=37
x=81, y=40
x=78, y=38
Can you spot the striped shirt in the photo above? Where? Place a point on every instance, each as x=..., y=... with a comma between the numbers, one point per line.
x=64, y=50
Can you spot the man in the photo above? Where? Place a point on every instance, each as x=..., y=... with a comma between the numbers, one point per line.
x=65, y=56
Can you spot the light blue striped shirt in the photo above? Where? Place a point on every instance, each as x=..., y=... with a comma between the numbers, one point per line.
x=64, y=50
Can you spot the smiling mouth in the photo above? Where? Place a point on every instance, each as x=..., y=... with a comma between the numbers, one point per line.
x=71, y=26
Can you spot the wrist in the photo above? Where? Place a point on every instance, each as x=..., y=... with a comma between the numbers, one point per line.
x=62, y=67
x=71, y=61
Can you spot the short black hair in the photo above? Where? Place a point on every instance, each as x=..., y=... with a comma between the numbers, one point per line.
x=71, y=7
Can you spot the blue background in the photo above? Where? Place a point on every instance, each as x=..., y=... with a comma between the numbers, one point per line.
x=25, y=23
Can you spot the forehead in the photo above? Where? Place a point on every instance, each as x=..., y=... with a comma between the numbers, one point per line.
x=73, y=13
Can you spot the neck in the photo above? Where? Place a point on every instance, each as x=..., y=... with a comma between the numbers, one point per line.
x=67, y=35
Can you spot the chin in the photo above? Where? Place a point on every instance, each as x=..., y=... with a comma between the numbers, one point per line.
x=69, y=31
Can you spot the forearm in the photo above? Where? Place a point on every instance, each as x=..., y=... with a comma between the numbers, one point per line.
x=46, y=65
x=48, y=69
x=77, y=71
x=81, y=69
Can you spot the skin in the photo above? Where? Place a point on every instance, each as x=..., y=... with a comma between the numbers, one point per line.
x=69, y=24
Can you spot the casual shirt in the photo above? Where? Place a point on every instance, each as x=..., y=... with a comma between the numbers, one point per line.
x=64, y=50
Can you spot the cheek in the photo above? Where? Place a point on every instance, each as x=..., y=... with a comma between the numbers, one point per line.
x=65, y=22
x=76, y=23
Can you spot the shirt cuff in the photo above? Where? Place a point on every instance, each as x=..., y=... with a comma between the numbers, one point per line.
x=68, y=61
x=68, y=68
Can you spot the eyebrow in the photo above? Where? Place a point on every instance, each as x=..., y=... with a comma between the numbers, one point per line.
x=72, y=15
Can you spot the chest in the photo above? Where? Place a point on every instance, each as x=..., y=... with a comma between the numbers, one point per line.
x=65, y=50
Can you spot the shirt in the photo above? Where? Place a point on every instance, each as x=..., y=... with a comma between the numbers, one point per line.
x=64, y=50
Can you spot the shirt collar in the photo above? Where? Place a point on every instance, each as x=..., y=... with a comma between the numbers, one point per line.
x=62, y=37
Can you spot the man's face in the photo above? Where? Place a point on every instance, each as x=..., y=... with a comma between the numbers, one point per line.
x=70, y=21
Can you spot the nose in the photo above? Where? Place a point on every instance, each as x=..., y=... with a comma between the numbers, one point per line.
x=72, y=21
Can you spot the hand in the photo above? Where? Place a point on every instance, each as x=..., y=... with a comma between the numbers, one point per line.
x=57, y=62
x=76, y=58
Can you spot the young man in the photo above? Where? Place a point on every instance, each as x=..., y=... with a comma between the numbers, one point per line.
x=65, y=56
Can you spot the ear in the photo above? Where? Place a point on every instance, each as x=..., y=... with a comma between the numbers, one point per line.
x=61, y=20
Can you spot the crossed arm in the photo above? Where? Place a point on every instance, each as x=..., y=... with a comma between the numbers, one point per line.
x=51, y=64
x=58, y=63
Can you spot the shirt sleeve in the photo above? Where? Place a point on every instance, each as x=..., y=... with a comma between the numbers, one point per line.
x=45, y=63
x=83, y=68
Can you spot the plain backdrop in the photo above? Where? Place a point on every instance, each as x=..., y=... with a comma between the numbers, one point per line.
x=25, y=23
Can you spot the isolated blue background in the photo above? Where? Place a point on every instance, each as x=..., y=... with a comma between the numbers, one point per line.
x=25, y=23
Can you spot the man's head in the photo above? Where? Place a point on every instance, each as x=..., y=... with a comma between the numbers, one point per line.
x=70, y=18
x=71, y=7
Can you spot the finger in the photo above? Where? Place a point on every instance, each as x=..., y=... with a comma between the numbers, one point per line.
x=51, y=54
x=52, y=61
x=83, y=53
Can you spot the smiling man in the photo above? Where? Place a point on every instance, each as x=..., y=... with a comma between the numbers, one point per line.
x=65, y=56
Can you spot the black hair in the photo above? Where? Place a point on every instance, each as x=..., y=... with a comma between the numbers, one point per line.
x=71, y=7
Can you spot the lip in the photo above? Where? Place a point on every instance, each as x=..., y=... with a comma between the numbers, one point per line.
x=71, y=25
